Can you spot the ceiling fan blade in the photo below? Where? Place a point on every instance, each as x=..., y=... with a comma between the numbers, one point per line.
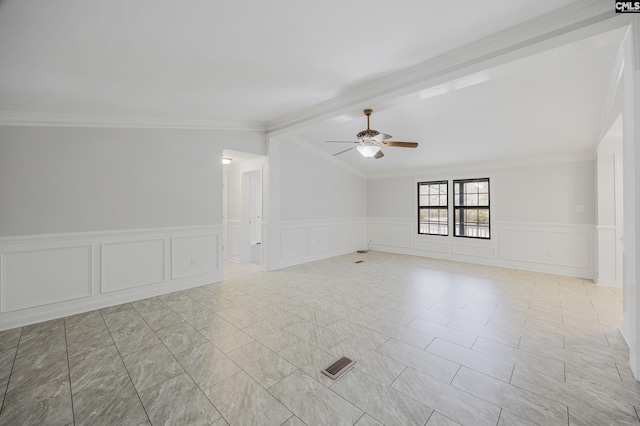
x=379, y=154
x=401, y=144
x=342, y=141
x=382, y=137
x=342, y=152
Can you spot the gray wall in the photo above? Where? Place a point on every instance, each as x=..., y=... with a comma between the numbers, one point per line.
x=57, y=179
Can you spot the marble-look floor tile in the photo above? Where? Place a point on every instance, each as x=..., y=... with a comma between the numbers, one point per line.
x=85, y=339
x=262, y=364
x=123, y=317
x=46, y=404
x=270, y=335
x=580, y=398
x=151, y=366
x=455, y=404
x=133, y=338
x=207, y=365
x=35, y=369
x=380, y=401
x=239, y=317
x=506, y=335
x=310, y=359
x=90, y=319
x=358, y=334
x=485, y=364
x=180, y=337
x=313, y=403
x=247, y=302
x=6, y=362
x=438, y=419
x=315, y=334
x=373, y=363
x=507, y=418
x=520, y=402
x=315, y=315
x=277, y=316
x=433, y=365
x=109, y=403
x=178, y=401
x=160, y=318
x=91, y=368
x=225, y=336
x=9, y=339
x=146, y=306
x=242, y=401
x=3, y=389
x=367, y=420
x=533, y=361
x=195, y=314
x=407, y=335
x=444, y=332
x=216, y=303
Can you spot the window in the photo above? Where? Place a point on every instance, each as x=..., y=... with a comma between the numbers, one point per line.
x=433, y=208
x=471, y=208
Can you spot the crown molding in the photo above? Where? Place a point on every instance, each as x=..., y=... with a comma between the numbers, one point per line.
x=47, y=119
x=562, y=26
x=486, y=167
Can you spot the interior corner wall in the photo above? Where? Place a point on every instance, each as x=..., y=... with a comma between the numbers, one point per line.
x=542, y=218
x=322, y=207
x=91, y=217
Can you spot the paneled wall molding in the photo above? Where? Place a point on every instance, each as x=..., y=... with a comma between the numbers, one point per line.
x=308, y=240
x=44, y=277
x=555, y=248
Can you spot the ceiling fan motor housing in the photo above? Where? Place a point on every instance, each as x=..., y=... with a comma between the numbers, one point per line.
x=367, y=135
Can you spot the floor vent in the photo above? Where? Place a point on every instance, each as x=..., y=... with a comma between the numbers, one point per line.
x=358, y=261
x=338, y=368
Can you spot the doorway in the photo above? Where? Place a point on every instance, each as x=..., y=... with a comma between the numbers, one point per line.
x=243, y=219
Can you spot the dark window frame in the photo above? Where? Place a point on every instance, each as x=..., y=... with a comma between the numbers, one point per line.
x=436, y=208
x=461, y=209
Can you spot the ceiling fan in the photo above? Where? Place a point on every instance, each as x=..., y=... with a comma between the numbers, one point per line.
x=369, y=142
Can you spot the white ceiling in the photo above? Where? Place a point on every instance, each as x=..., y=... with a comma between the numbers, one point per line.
x=257, y=61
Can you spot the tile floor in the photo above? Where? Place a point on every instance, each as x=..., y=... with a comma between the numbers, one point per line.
x=437, y=343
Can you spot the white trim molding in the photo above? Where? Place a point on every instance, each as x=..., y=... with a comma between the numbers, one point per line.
x=53, y=119
x=43, y=277
x=563, y=249
x=307, y=241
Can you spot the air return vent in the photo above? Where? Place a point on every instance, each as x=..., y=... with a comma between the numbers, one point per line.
x=338, y=368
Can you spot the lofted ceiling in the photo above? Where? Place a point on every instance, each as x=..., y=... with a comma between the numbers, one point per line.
x=262, y=65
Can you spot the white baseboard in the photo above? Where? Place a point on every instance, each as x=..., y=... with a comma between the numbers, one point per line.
x=43, y=277
x=562, y=249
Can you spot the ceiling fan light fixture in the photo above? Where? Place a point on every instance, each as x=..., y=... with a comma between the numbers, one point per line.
x=368, y=150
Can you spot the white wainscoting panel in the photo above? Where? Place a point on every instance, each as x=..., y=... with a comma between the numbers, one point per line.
x=566, y=249
x=194, y=255
x=473, y=250
x=394, y=233
x=293, y=242
x=319, y=239
x=435, y=246
x=306, y=241
x=607, y=244
x=559, y=247
x=132, y=264
x=233, y=251
x=43, y=277
x=37, y=277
